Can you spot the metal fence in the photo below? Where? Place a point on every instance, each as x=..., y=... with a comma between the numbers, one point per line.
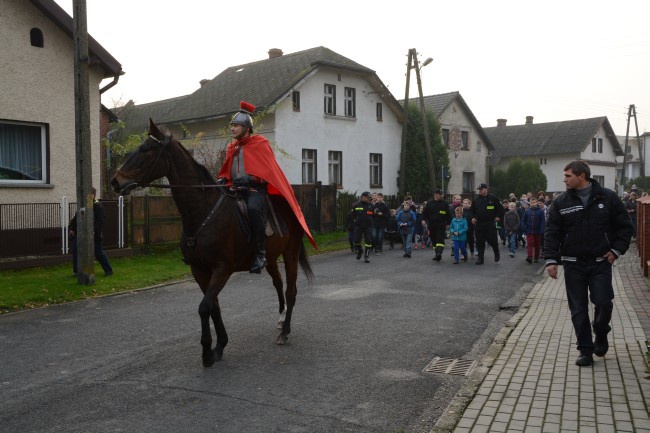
x=37, y=229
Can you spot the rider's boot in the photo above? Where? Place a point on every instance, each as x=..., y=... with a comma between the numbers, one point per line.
x=259, y=261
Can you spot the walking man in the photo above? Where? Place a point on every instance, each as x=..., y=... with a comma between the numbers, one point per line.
x=588, y=228
x=487, y=210
x=363, y=211
x=437, y=217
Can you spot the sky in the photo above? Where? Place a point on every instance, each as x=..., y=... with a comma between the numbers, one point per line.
x=553, y=60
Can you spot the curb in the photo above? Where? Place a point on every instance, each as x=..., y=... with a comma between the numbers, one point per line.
x=454, y=411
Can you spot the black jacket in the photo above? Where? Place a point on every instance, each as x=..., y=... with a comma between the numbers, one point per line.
x=99, y=218
x=486, y=209
x=380, y=221
x=573, y=231
x=437, y=212
x=363, y=212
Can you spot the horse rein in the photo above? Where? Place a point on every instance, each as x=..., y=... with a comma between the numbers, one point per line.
x=163, y=143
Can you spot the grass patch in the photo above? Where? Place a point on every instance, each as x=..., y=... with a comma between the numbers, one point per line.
x=37, y=287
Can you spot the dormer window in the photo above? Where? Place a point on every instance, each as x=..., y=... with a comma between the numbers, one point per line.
x=36, y=37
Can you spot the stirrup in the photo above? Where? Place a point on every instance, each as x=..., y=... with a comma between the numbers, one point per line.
x=258, y=263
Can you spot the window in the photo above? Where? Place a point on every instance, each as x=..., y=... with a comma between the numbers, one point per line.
x=330, y=99
x=22, y=153
x=542, y=161
x=380, y=112
x=599, y=179
x=295, y=100
x=445, y=136
x=36, y=37
x=464, y=136
x=468, y=181
x=593, y=145
x=335, y=168
x=309, y=166
x=600, y=145
x=478, y=146
x=350, y=102
x=375, y=170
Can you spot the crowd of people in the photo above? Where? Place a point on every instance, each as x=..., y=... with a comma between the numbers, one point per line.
x=515, y=222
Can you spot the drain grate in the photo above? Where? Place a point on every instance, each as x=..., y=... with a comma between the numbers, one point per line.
x=457, y=366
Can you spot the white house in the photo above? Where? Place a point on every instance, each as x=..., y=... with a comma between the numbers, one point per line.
x=554, y=144
x=468, y=145
x=37, y=114
x=330, y=119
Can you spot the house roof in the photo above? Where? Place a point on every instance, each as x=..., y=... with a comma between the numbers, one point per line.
x=262, y=83
x=535, y=139
x=437, y=104
x=54, y=12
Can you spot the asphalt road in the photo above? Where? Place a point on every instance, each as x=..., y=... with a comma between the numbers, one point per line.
x=362, y=335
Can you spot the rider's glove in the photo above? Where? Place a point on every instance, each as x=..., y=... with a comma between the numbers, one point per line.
x=245, y=180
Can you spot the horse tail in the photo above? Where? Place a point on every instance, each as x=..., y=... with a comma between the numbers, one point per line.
x=303, y=259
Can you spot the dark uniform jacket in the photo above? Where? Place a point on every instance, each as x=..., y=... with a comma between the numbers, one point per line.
x=486, y=209
x=573, y=231
x=363, y=214
x=99, y=218
x=437, y=212
x=380, y=221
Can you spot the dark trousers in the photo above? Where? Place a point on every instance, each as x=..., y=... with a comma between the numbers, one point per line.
x=255, y=203
x=438, y=232
x=100, y=255
x=470, y=238
x=589, y=280
x=489, y=235
x=367, y=236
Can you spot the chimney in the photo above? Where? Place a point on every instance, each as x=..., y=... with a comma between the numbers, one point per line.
x=275, y=52
x=529, y=120
x=502, y=122
x=203, y=82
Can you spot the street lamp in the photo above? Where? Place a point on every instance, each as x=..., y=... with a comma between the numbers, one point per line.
x=413, y=63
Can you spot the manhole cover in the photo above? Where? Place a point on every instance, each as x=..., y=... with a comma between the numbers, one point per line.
x=457, y=366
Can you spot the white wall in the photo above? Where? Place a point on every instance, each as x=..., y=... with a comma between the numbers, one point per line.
x=356, y=137
x=37, y=85
x=472, y=160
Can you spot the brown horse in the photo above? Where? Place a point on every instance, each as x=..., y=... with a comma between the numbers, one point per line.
x=213, y=242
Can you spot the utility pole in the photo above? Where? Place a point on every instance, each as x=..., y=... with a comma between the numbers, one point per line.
x=425, y=124
x=413, y=63
x=402, y=159
x=631, y=112
x=83, y=154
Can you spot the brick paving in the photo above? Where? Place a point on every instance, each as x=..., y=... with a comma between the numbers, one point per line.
x=528, y=381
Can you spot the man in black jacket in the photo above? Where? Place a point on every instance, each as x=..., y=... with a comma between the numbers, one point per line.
x=437, y=216
x=487, y=210
x=363, y=210
x=587, y=229
x=379, y=222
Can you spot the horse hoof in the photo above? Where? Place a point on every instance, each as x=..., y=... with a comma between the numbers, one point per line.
x=282, y=340
x=218, y=353
x=208, y=361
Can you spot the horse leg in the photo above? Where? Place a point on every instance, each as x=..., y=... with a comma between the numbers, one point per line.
x=209, y=307
x=291, y=269
x=222, y=336
x=274, y=272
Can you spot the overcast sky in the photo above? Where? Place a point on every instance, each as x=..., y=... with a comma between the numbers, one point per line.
x=552, y=59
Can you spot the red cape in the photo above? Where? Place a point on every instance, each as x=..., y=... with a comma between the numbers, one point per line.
x=259, y=160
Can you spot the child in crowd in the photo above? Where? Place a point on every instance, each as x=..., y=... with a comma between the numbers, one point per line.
x=468, y=215
x=511, y=224
x=405, y=220
x=417, y=228
x=534, y=222
x=458, y=229
x=391, y=229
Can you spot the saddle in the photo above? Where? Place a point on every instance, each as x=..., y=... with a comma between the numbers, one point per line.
x=272, y=225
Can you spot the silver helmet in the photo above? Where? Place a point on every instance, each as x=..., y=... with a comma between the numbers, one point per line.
x=243, y=116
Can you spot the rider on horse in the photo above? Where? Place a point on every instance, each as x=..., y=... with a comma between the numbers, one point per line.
x=251, y=166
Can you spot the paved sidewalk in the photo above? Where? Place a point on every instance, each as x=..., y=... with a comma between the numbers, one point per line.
x=528, y=380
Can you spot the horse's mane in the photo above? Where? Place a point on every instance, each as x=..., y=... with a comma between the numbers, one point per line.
x=201, y=169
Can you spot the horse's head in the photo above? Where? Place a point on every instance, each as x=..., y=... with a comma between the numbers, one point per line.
x=145, y=165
